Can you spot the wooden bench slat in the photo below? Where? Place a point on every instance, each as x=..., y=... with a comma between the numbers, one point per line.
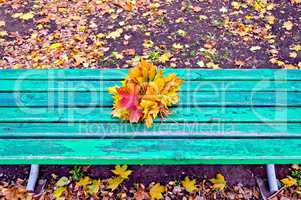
x=180, y=114
x=151, y=151
x=158, y=130
x=100, y=86
x=186, y=74
x=104, y=99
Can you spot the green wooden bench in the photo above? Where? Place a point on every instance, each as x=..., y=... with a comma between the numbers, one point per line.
x=224, y=116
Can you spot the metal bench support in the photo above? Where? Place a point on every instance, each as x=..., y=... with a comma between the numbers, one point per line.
x=33, y=177
x=273, y=185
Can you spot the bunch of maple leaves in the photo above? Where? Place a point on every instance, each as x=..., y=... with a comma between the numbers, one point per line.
x=145, y=94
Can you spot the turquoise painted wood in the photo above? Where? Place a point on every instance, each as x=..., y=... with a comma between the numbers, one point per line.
x=118, y=74
x=224, y=117
x=150, y=151
x=158, y=130
x=193, y=98
x=103, y=85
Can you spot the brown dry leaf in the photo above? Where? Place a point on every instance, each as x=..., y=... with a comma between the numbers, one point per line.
x=141, y=194
x=196, y=8
x=16, y=192
x=129, y=52
x=239, y=63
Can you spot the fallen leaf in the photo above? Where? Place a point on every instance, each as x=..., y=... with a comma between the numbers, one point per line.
x=295, y=1
x=2, y=23
x=270, y=19
x=293, y=54
x=157, y=191
x=189, y=185
x=181, y=32
x=24, y=16
x=122, y=171
x=165, y=57
x=148, y=43
x=219, y=182
x=115, y=34
x=255, y=48
x=3, y=33
x=114, y=182
x=288, y=181
x=93, y=188
x=235, y=5
x=288, y=25
x=200, y=63
x=84, y=181
x=62, y=181
x=59, y=192
x=177, y=46
x=55, y=46
x=141, y=194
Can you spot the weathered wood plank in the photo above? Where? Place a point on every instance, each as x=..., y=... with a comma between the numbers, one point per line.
x=100, y=86
x=186, y=74
x=179, y=114
x=158, y=130
x=104, y=99
x=151, y=151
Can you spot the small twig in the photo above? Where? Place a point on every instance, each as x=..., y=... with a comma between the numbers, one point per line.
x=275, y=193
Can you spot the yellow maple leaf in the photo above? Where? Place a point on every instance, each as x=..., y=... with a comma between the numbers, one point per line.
x=55, y=46
x=295, y=47
x=288, y=25
x=27, y=16
x=177, y=46
x=62, y=182
x=83, y=182
x=122, y=171
x=3, y=33
x=24, y=16
x=270, y=19
x=115, y=34
x=288, y=181
x=219, y=182
x=148, y=43
x=93, y=188
x=189, y=185
x=100, y=35
x=165, y=57
x=114, y=182
x=181, y=32
x=235, y=5
x=58, y=192
x=157, y=191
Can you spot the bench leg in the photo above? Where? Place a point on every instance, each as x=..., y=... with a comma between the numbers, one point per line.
x=33, y=177
x=273, y=184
